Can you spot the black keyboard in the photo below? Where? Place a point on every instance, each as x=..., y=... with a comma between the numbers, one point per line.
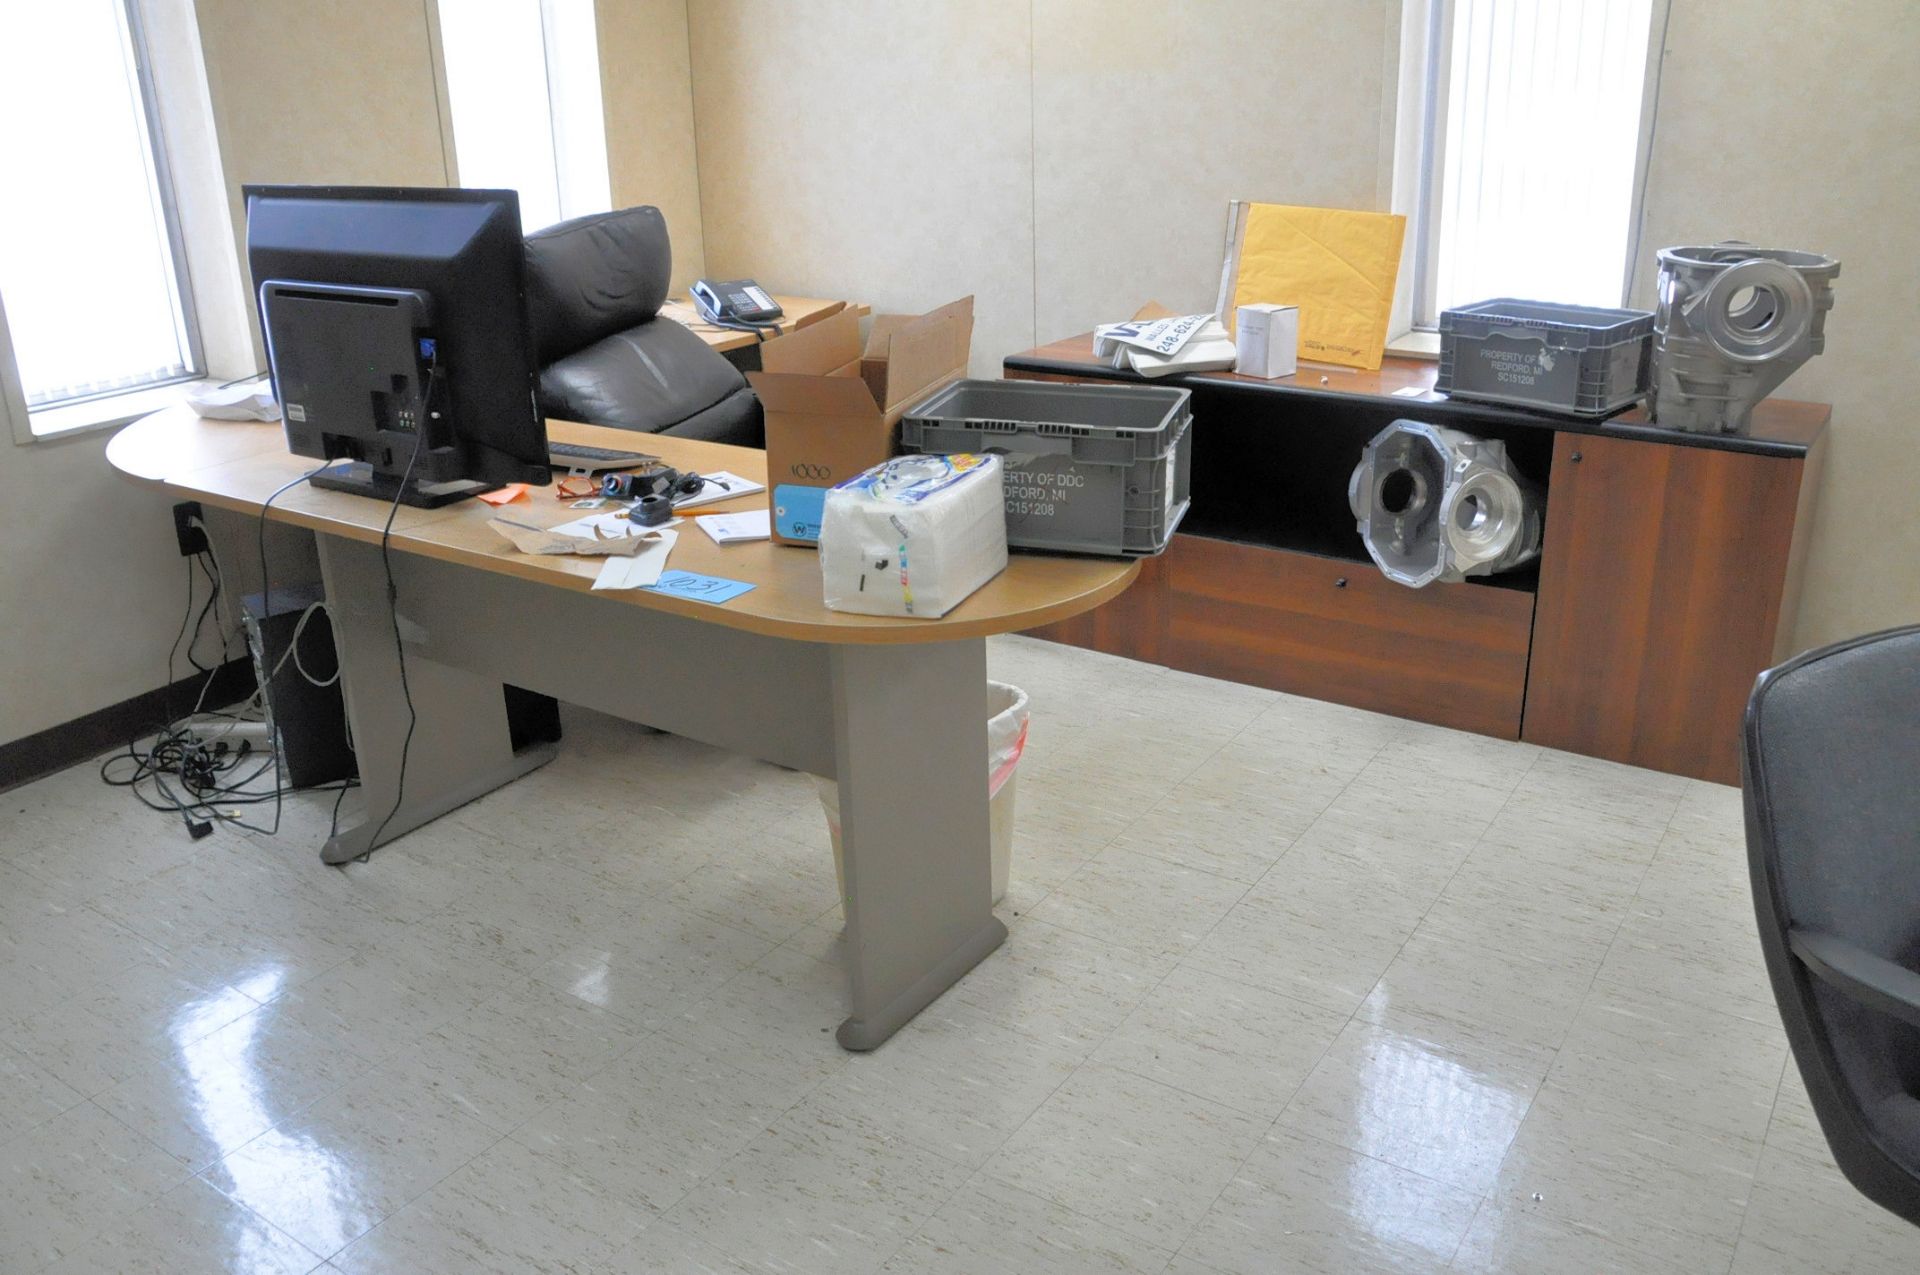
x=580, y=456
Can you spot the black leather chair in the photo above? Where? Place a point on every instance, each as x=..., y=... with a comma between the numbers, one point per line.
x=1832, y=780
x=594, y=290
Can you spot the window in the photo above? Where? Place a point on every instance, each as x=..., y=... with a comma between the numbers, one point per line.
x=1525, y=152
x=91, y=269
x=523, y=82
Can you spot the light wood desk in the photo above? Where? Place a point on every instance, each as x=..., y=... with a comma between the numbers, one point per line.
x=893, y=709
x=798, y=313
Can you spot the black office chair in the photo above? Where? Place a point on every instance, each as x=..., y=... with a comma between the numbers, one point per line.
x=1832, y=779
x=594, y=289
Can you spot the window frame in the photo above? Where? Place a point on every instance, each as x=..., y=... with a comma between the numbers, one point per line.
x=71, y=414
x=1420, y=131
x=565, y=105
x=13, y=400
x=565, y=153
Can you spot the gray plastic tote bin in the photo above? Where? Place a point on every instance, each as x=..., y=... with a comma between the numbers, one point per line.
x=1572, y=359
x=1089, y=468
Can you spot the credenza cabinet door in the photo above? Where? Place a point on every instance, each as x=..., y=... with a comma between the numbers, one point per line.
x=1661, y=583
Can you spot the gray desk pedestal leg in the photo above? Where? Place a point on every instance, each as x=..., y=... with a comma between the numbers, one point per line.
x=461, y=747
x=910, y=748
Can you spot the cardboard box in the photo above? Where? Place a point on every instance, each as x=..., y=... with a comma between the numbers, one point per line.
x=833, y=405
x=1267, y=340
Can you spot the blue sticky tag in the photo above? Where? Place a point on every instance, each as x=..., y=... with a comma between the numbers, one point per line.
x=699, y=588
x=797, y=510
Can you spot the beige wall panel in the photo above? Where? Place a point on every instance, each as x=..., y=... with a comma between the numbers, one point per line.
x=1148, y=118
x=1797, y=130
x=92, y=585
x=646, y=78
x=340, y=92
x=872, y=150
x=334, y=92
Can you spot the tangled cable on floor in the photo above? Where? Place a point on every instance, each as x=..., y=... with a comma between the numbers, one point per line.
x=192, y=765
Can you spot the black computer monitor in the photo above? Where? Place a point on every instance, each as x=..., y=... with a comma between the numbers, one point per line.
x=396, y=331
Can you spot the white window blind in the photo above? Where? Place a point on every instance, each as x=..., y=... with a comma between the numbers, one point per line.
x=523, y=83
x=90, y=268
x=1538, y=151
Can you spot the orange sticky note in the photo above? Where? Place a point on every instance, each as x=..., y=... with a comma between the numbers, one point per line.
x=504, y=495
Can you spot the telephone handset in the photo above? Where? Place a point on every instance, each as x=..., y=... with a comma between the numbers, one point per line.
x=734, y=303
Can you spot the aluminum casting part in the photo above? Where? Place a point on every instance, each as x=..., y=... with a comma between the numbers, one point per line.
x=1733, y=322
x=1440, y=504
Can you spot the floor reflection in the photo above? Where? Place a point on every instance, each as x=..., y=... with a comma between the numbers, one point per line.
x=232, y=1100
x=1416, y=1104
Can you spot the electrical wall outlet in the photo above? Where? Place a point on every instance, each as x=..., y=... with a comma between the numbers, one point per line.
x=189, y=528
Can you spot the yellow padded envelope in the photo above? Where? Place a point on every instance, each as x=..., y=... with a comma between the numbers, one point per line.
x=1337, y=266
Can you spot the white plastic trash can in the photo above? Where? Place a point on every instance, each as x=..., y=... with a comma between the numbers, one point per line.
x=1007, y=716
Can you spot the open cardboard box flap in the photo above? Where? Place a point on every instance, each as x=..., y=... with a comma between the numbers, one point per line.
x=830, y=347
x=904, y=356
x=833, y=406
x=839, y=393
x=907, y=356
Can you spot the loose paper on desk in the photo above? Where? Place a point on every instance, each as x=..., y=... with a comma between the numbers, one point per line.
x=248, y=400
x=720, y=486
x=1336, y=265
x=698, y=588
x=641, y=571
x=729, y=529
x=1163, y=345
x=571, y=538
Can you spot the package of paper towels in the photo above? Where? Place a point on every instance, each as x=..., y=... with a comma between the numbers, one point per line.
x=913, y=536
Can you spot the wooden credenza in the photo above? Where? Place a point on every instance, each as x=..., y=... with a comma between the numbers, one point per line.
x=1666, y=583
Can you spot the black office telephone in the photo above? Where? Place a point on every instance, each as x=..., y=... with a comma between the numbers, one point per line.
x=734, y=303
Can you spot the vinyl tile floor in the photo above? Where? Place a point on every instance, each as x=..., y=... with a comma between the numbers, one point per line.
x=1290, y=987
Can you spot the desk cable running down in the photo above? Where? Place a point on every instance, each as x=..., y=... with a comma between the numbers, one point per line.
x=215, y=586
x=266, y=593
x=393, y=614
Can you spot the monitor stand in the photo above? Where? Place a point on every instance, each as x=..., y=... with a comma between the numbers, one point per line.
x=358, y=477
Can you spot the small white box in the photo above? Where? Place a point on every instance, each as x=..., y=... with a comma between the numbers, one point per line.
x=1267, y=339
